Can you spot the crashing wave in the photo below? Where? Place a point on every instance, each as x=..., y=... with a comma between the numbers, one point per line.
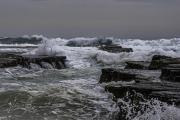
x=82, y=56
x=91, y=42
x=135, y=107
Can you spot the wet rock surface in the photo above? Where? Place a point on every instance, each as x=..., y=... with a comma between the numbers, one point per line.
x=171, y=72
x=160, y=61
x=158, y=79
x=126, y=75
x=115, y=49
x=144, y=84
x=12, y=60
x=164, y=91
x=137, y=65
x=157, y=63
x=109, y=75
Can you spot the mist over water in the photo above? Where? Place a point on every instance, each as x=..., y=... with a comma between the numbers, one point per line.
x=91, y=18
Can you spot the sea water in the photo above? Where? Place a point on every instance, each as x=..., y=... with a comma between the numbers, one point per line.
x=74, y=93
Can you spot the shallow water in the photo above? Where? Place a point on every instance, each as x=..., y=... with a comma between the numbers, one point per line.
x=74, y=93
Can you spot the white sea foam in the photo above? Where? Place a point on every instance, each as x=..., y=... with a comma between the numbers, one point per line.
x=82, y=84
x=145, y=49
x=79, y=57
x=151, y=110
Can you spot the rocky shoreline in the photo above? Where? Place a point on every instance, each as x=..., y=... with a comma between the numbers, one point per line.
x=157, y=79
x=138, y=80
x=14, y=59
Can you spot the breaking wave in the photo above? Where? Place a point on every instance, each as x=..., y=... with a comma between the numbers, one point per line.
x=74, y=93
x=82, y=56
x=141, y=109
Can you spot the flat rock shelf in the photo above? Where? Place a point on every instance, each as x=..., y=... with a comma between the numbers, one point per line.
x=158, y=79
x=12, y=60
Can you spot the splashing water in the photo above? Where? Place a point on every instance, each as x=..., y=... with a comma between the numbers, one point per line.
x=138, y=108
x=74, y=93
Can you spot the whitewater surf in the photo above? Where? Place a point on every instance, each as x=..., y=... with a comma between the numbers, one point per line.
x=74, y=93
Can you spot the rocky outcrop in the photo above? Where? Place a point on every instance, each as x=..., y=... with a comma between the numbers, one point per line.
x=144, y=83
x=164, y=91
x=12, y=60
x=136, y=94
x=110, y=74
x=144, y=65
x=115, y=49
x=171, y=72
x=114, y=74
x=159, y=61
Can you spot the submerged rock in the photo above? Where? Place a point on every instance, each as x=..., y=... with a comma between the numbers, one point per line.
x=12, y=60
x=115, y=49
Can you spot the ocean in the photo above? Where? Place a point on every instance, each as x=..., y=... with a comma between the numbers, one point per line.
x=75, y=93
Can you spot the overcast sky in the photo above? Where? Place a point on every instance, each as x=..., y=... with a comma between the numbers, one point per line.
x=145, y=19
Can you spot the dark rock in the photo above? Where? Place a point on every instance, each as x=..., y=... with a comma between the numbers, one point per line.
x=57, y=62
x=8, y=62
x=137, y=65
x=89, y=43
x=115, y=49
x=146, y=86
x=144, y=83
x=12, y=60
x=160, y=57
x=110, y=74
x=171, y=72
x=134, y=96
x=159, y=61
x=113, y=74
x=164, y=91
